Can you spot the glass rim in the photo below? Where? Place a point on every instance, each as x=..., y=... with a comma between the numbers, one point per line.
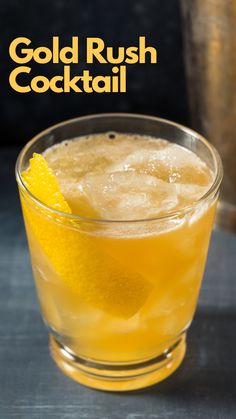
x=168, y=215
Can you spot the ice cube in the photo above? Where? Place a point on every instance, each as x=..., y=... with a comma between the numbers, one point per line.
x=172, y=163
x=143, y=160
x=128, y=195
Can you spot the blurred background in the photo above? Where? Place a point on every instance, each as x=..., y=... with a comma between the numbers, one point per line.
x=194, y=82
x=151, y=89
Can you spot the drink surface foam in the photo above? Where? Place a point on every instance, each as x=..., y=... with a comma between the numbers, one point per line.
x=115, y=176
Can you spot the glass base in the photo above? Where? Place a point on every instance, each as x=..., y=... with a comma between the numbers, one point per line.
x=118, y=377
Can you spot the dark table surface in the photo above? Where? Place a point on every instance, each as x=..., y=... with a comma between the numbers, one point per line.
x=31, y=386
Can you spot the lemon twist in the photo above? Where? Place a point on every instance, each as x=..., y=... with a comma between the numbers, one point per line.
x=79, y=261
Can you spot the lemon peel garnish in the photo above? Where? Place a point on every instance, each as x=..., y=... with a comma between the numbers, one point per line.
x=80, y=262
x=42, y=183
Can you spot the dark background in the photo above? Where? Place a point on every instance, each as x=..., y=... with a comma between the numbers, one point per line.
x=151, y=89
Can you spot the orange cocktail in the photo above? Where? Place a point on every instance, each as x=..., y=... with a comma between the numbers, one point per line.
x=118, y=227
